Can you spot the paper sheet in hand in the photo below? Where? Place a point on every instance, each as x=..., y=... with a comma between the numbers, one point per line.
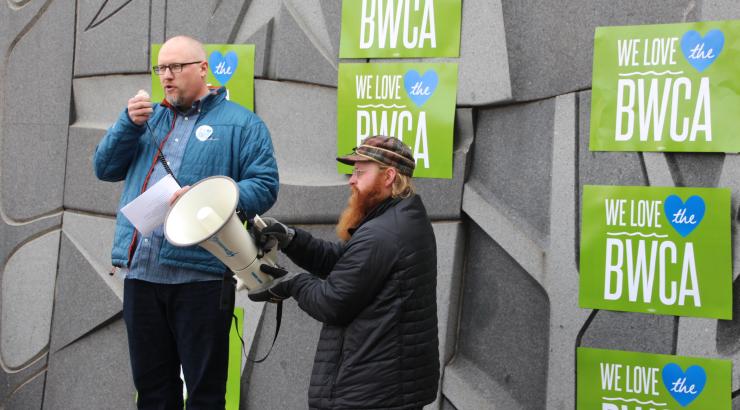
x=148, y=210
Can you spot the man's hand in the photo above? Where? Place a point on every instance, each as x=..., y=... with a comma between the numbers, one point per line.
x=278, y=289
x=178, y=194
x=140, y=108
x=275, y=233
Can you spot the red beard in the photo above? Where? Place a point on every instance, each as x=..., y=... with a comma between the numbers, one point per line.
x=358, y=206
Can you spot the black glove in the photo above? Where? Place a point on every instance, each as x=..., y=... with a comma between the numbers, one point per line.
x=275, y=233
x=278, y=289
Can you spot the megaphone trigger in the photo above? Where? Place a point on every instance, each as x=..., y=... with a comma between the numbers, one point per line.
x=274, y=271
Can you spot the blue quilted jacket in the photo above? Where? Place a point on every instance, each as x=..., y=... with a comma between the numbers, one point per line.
x=240, y=148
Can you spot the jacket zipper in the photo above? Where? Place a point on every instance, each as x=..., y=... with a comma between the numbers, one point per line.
x=132, y=245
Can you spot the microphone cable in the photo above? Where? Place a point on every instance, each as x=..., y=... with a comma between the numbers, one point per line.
x=160, y=155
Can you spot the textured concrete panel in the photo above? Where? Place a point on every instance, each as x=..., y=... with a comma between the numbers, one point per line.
x=158, y=10
x=260, y=12
x=719, y=10
x=261, y=40
x=27, y=300
x=302, y=122
x=483, y=73
x=526, y=248
x=696, y=169
x=112, y=37
x=32, y=170
x=561, y=270
x=82, y=190
x=450, y=251
x=504, y=324
x=14, y=19
x=446, y=405
x=282, y=381
x=509, y=141
x=83, y=300
x=630, y=331
x=550, y=45
x=33, y=121
x=29, y=395
x=297, y=55
x=93, y=373
x=92, y=111
x=15, y=381
x=210, y=21
x=36, y=82
x=443, y=197
x=468, y=387
x=332, y=10
x=92, y=236
x=12, y=235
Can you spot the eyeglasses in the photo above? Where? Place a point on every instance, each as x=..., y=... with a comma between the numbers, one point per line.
x=174, y=67
x=358, y=172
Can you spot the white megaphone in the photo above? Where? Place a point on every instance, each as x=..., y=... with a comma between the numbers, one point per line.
x=204, y=215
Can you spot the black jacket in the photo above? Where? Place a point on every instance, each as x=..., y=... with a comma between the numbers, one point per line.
x=376, y=295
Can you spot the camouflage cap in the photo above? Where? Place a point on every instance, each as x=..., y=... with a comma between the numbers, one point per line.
x=387, y=151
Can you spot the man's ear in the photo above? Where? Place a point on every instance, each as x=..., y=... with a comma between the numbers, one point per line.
x=204, y=69
x=390, y=176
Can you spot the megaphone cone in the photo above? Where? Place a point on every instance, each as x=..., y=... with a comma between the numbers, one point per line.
x=204, y=215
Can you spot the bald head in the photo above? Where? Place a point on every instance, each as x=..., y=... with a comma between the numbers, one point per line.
x=186, y=46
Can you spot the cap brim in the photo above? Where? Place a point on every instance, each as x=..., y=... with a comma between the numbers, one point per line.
x=356, y=157
x=351, y=159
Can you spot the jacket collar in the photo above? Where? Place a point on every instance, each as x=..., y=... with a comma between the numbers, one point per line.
x=215, y=96
x=375, y=212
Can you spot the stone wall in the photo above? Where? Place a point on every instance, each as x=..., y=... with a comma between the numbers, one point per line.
x=507, y=223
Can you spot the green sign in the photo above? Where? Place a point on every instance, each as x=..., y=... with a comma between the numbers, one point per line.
x=229, y=65
x=400, y=28
x=234, y=375
x=671, y=87
x=656, y=250
x=618, y=380
x=414, y=102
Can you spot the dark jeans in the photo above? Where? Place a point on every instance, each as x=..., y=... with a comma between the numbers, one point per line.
x=170, y=325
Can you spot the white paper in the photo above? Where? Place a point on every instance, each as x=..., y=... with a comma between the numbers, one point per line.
x=149, y=209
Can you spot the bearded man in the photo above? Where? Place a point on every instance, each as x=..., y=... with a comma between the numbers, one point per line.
x=375, y=291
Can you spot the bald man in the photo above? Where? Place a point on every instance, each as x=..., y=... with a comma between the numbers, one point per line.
x=172, y=296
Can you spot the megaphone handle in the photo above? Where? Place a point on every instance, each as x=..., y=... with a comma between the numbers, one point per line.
x=259, y=223
x=241, y=214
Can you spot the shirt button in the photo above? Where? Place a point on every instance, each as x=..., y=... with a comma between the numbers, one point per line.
x=177, y=140
x=186, y=118
x=146, y=240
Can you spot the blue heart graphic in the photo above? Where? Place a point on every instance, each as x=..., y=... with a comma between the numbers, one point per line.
x=701, y=52
x=223, y=67
x=420, y=87
x=684, y=387
x=684, y=217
